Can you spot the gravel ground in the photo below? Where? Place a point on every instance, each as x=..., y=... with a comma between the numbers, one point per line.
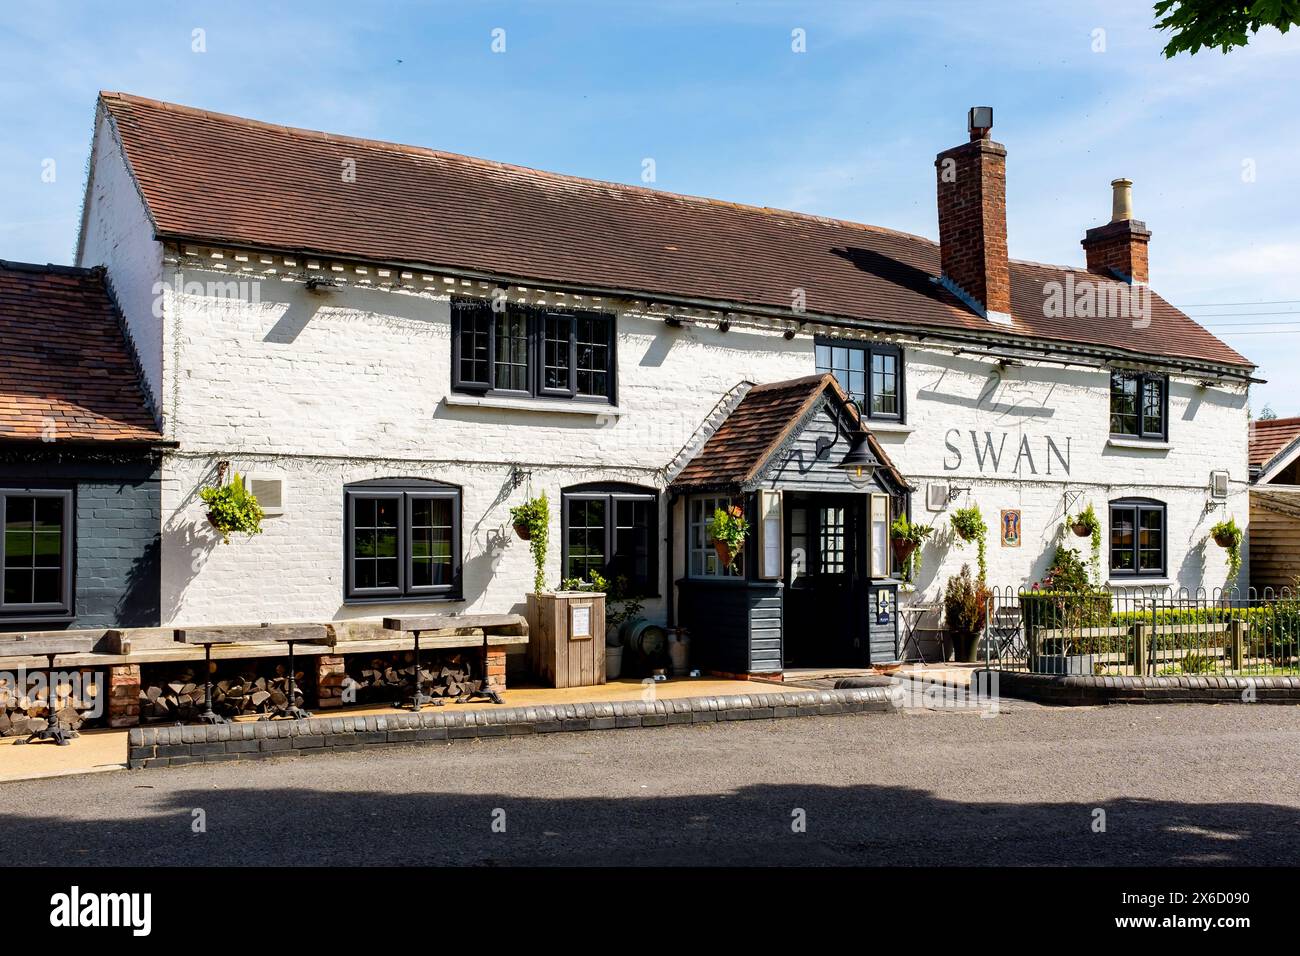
x=1179, y=784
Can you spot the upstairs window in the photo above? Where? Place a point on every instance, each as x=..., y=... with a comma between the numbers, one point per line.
x=612, y=530
x=870, y=374
x=1137, y=538
x=531, y=352
x=36, y=554
x=403, y=541
x=1139, y=404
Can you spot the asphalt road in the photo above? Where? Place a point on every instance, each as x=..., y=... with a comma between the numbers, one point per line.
x=1178, y=785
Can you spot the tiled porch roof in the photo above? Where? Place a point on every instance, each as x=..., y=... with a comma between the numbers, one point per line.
x=737, y=452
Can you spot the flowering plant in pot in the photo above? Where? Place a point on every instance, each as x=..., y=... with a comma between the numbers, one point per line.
x=728, y=529
x=906, y=538
x=532, y=522
x=1228, y=536
x=232, y=507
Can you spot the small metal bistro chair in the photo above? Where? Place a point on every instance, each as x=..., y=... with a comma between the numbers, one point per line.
x=911, y=616
x=1007, y=632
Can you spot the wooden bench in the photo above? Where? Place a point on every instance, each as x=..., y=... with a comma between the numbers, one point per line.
x=451, y=630
x=47, y=644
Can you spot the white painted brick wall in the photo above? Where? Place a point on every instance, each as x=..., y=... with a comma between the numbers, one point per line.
x=118, y=235
x=324, y=389
x=951, y=396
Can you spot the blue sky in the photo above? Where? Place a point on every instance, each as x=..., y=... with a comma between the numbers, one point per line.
x=714, y=93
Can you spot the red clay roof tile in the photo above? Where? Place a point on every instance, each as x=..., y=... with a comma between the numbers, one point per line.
x=65, y=369
x=1268, y=437
x=757, y=427
x=226, y=180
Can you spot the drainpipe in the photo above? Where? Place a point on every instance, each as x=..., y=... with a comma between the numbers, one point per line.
x=670, y=557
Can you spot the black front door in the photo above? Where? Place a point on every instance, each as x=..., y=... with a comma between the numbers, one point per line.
x=825, y=604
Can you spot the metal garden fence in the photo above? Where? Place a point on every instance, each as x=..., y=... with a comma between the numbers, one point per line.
x=1143, y=632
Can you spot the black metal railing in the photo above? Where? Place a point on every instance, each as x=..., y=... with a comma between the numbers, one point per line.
x=1143, y=632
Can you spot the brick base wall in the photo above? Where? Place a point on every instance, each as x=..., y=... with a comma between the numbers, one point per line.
x=495, y=668
x=123, y=709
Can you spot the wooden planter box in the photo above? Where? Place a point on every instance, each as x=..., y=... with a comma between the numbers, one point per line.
x=566, y=638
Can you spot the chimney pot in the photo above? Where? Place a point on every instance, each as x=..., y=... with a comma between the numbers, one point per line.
x=1119, y=248
x=1121, y=205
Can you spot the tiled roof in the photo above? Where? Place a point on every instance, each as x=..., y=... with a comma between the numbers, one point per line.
x=1269, y=437
x=757, y=427
x=65, y=370
x=225, y=180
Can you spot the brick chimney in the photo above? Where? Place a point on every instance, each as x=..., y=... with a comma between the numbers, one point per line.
x=972, y=182
x=1119, y=247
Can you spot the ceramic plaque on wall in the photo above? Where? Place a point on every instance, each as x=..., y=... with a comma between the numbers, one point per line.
x=1010, y=524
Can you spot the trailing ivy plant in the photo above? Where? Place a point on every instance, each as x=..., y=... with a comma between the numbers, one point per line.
x=233, y=508
x=534, y=515
x=915, y=534
x=969, y=525
x=1228, y=536
x=1088, y=521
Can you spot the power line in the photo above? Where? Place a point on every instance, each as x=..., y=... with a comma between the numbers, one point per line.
x=1236, y=315
x=1216, y=305
x=1230, y=325
x=1263, y=332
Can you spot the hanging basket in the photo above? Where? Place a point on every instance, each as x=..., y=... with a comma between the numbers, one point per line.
x=521, y=529
x=1225, y=540
x=725, y=554
x=1081, y=530
x=902, y=549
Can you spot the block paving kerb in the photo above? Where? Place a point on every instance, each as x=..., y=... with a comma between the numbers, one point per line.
x=176, y=746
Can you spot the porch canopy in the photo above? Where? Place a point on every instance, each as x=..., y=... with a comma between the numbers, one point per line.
x=807, y=588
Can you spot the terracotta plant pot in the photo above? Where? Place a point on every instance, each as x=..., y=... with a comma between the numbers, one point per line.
x=1224, y=540
x=725, y=554
x=902, y=549
x=1081, y=529
x=521, y=529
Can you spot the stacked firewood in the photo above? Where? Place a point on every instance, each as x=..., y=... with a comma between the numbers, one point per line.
x=24, y=711
x=248, y=694
x=393, y=677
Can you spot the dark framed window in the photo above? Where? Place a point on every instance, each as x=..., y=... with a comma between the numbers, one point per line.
x=525, y=351
x=870, y=374
x=402, y=541
x=1138, y=537
x=36, y=551
x=702, y=556
x=614, y=531
x=1139, y=405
